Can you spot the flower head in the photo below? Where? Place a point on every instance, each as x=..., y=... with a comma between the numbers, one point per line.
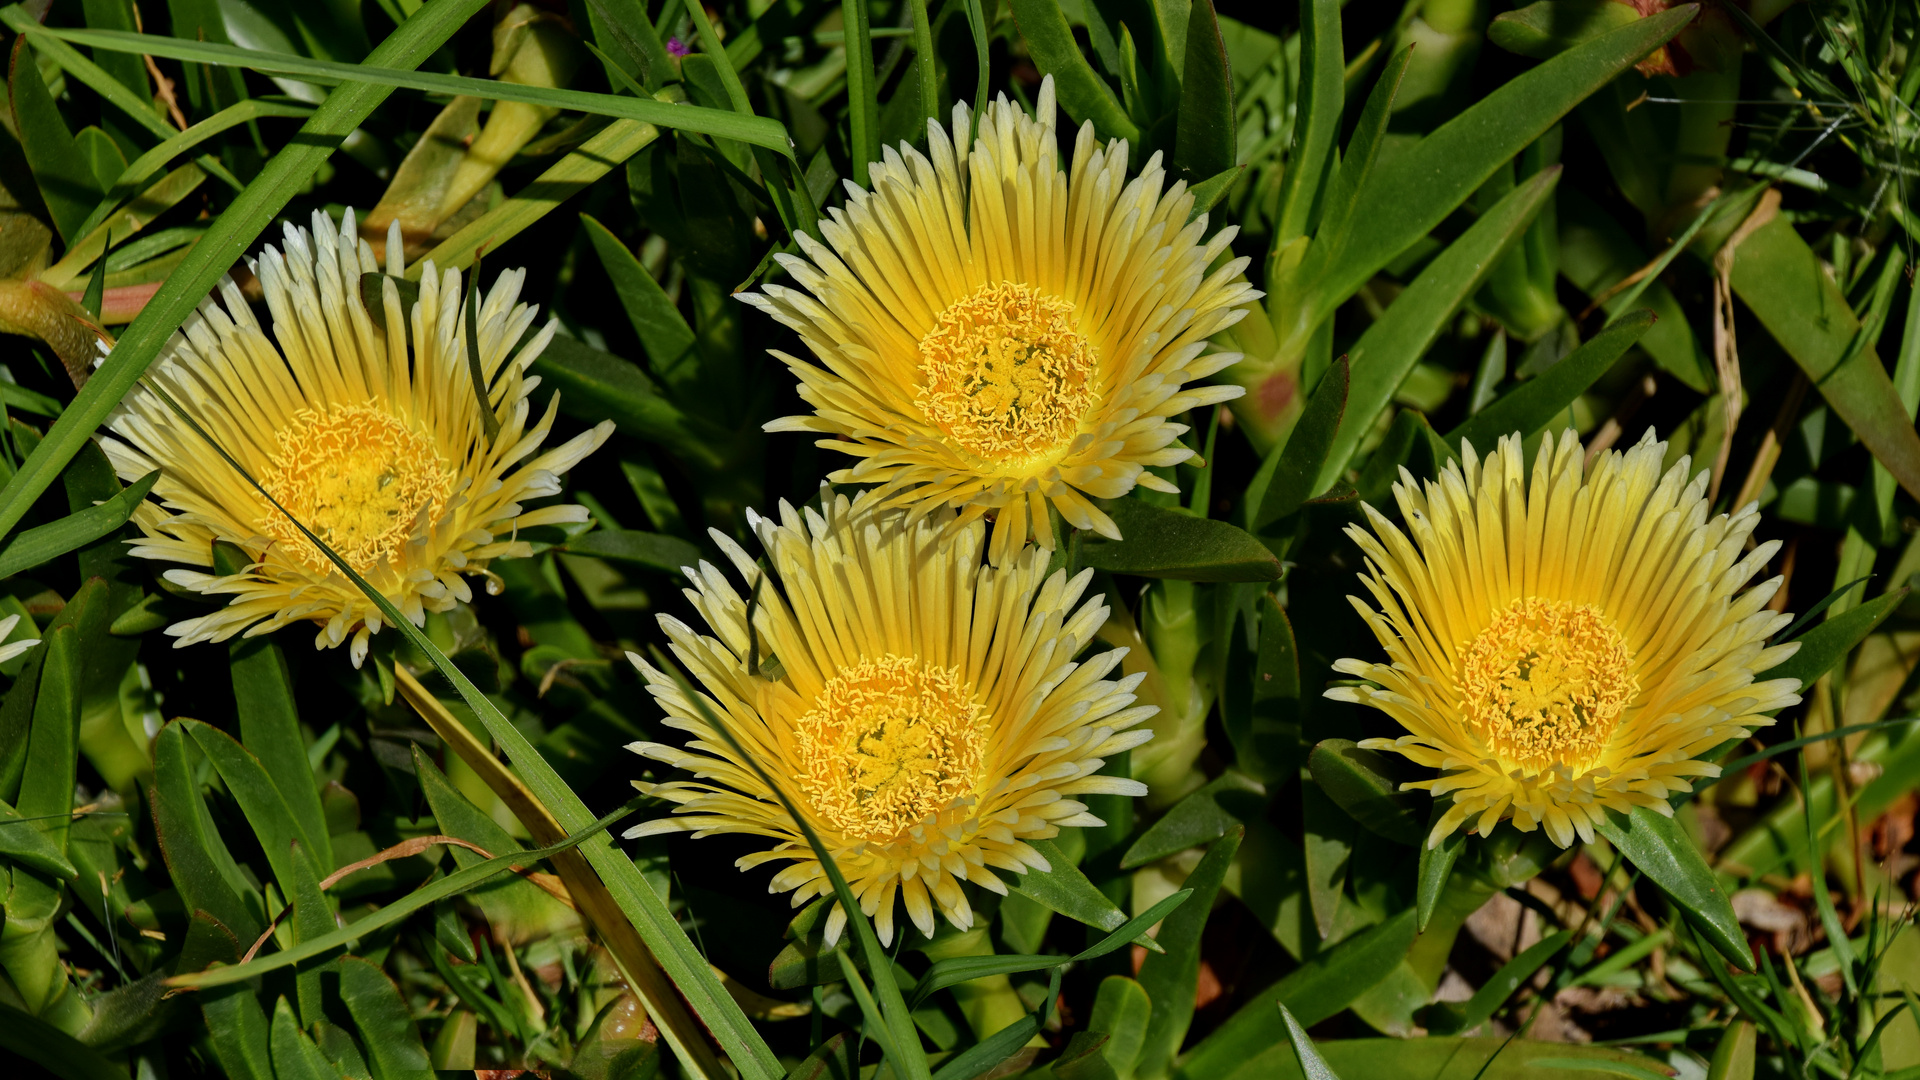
x=924, y=712
x=378, y=449
x=996, y=334
x=1559, y=644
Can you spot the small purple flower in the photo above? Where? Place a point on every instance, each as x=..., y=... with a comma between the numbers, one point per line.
x=677, y=48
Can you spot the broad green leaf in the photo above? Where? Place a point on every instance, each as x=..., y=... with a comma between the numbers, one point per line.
x=1314, y=157
x=959, y=969
x=622, y=27
x=1391, y=346
x=259, y=800
x=595, y=386
x=426, y=896
x=25, y=844
x=1327, y=836
x=1081, y=92
x=121, y=222
x=60, y=170
x=1736, y=1056
x=982, y=1058
x=1788, y=288
x=665, y=335
x=1302, y=461
x=1084, y=1058
x=1120, y=1011
x=1200, y=818
x=1169, y=978
x=1659, y=848
x=1356, y=780
x=1596, y=253
x=29, y=1038
x=1170, y=543
x=1495, y=991
x=202, y=869
x=295, y=1057
x=515, y=909
x=1536, y=403
x=1547, y=28
x=1203, y=144
x=382, y=1021
x=283, y=176
x=655, y=551
x=1363, y=149
x=1422, y=185
x=237, y=1026
x=1824, y=646
x=45, y=543
x=1064, y=890
x=1316, y=990
x=1436, y=865
x=270, y=730
x=835, y=1059
x=1208, y=193
x=1312, y=1065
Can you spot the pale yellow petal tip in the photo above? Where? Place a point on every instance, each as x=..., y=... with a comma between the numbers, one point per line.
x=875, y=677
x=1539, y=676
x=373, y=440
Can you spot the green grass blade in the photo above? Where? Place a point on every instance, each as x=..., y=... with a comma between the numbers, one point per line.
x=747, y=128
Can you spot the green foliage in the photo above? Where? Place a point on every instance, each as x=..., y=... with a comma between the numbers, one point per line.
x=254, y=859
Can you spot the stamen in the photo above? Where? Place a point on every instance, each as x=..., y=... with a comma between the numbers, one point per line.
x=1544, y=684
x=1007, y=373
x=359, y=478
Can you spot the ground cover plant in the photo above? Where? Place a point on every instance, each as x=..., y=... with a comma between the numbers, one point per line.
x=1106, y=540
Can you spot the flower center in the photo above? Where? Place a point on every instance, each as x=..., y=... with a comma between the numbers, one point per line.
x=1006, y=373
x=1544, y=684
x=359, y=478
x=889, y=742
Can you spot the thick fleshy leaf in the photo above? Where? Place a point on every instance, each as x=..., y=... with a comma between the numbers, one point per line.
x=197, y=858
x=29, y=1038
x=23, y=843
x=1356, y=780
x=1436, y=865
x=1316, y=990
x=596, y=386
x=1824, y=646
x=1387, y=352
x=270, y=730
x=652, y=550
x=1300, y=464
x=1408, y=197
x=1322, y=90
x=1736, y=1057
x=1312, y=1065
x=1203, y=144
x=45, y=543
x=1200, y=818
x=1169, y=978
x=1064, y=890
x=1120, y=1012
x=1169, y=543
x=1495, y=991
x=60, y=170
x=1435, y=1058
x=1536, y=404
x=1659, y=848
x=382, y=1021
x=1788, y=288
x=1081, y=91
x=1547, y=28
x=663, y=332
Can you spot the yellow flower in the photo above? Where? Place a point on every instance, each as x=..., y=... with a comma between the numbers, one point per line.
x=384, y=460
x=923, y=711
x=996, y=335
x=1560, y=646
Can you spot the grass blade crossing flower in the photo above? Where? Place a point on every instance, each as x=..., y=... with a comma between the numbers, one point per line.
x=1562, y=644
x=996, y=334
x=374, y=443
x=927, y=707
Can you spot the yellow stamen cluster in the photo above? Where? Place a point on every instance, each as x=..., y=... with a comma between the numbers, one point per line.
x=889, y=741
x=1546, y=681
x=359, y=478
x=1007, y=373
